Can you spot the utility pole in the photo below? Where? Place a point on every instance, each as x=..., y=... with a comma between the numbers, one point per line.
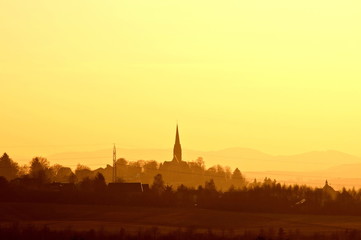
x=114, y=164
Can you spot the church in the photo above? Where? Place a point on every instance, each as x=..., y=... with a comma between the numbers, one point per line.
x=175, y=169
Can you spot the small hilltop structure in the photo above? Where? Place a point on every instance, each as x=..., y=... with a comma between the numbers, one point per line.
x=329, y=192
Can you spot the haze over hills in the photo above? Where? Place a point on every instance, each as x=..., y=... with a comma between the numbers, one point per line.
x=245, y=159
x=311, y=168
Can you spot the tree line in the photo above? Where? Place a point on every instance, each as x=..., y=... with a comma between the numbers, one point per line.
x=192, y=173
x=36, y=184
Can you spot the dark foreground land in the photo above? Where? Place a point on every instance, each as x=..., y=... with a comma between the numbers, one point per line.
x=161, y=222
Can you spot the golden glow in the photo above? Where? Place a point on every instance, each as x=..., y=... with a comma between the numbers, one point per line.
x=279, y=76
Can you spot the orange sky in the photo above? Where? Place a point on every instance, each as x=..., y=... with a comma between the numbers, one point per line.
x=279, y=76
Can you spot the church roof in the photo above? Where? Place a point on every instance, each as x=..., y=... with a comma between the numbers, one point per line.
x=328, y=190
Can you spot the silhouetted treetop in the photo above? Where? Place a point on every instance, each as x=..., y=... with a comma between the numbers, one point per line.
x=8, y=168
x=158, y=184
x=40, y=170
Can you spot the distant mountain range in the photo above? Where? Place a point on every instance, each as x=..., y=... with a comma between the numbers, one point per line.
x=244, y=158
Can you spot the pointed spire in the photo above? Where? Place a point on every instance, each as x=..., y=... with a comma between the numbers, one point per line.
x=177, y=141
x=177, y=150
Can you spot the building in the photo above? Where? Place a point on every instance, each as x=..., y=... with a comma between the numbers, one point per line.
x=329, y=192
x=176, y=170
x=177, y=160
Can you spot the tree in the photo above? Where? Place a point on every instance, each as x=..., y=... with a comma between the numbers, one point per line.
x=158, y=184
x=3, y=182
x=236, y=174
x=96, y=184
x=40, y=170
x=121, y=161
x=150, y=166
x=210, y=186
x=122, y=168
x=221, y=174
x=55, y=168
x=197, y=166
x=83, y=172
x=238, y=179
x=8, y=168
x=99, y=183
x=150, y=170
x=23, y=170
x=72, y=178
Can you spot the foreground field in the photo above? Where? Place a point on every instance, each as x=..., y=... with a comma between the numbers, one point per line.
x=113, y=218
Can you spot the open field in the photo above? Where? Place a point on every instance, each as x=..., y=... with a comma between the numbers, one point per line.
x=112, y=218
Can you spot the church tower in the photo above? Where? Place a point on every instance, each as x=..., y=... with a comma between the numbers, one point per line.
x=177, y=150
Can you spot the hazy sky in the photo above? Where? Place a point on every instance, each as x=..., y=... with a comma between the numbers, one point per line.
x=279, y=76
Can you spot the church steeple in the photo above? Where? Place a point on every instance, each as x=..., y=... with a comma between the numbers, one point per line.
x=177, y=150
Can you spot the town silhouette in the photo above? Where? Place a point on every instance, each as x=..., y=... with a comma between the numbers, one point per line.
x=43, y=193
